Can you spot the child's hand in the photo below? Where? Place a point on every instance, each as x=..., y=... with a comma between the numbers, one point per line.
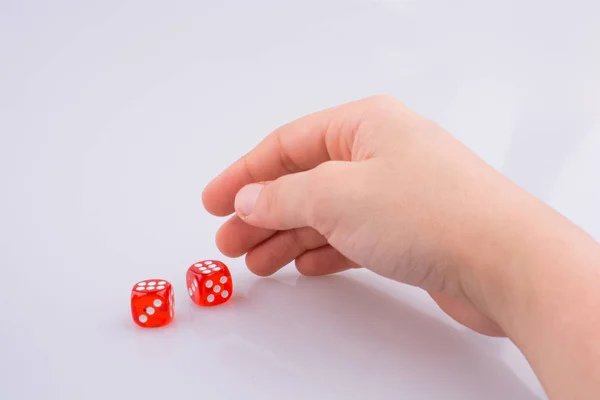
x=369, y=184
x=372, y=184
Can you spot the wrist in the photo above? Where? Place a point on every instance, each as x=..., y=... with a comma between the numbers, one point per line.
x=534, y=270
x=538, y=278
x=496, y=251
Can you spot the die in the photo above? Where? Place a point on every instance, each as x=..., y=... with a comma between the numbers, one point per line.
x=152, y=303
x=209, y=283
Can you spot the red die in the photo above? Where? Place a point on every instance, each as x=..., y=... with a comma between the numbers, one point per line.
x=209, y=283
x=152, y=303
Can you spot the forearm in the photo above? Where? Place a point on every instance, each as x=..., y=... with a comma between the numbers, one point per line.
x=542, y=285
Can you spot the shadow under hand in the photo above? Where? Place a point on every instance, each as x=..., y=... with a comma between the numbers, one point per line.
x=337, y=338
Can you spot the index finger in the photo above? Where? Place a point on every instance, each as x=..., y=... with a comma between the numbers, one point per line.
x=297, y=146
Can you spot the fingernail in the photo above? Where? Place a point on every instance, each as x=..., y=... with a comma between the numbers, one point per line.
x=246, y=198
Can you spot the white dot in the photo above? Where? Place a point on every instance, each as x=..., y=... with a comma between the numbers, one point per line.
x=216, y=269
x=190, y=291
x=193, y=288
x=139, y=288
x=217, y=289
x=142, y=318
x=206, y=272
x=150, y=288
x=160, y=287
x=208, y=263
x=142, y=284
x=198, y=265
x=210, y=298
x=224, y=294
x=157, y=303
x=150, y=311
x=194, y=283
x=162, y=282
x=223, y=279
x=208, y=283
x=152, y=283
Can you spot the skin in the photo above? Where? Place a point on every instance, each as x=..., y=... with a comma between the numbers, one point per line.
x=371, y=184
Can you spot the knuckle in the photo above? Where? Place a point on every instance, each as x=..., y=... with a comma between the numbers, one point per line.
x=321, y=193
x=268, y=200
x=382, y=101
x=379, y=112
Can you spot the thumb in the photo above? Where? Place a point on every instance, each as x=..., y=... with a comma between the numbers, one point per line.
x=297, y=200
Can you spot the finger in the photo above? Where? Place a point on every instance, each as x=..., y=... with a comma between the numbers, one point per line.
x=297, y=200
x=235, y=237
x=280, y=250
x=294, y=147
x=323, y=261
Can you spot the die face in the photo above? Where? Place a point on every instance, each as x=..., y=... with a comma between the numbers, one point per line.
x=191, y=284
x=215, y=288
x=152, y=307
x=209, y=283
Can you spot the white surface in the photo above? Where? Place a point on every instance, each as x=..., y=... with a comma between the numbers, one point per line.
x=114, y=116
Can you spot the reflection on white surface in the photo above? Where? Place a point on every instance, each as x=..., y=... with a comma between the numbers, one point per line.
x=339, y=338
x=114, y=115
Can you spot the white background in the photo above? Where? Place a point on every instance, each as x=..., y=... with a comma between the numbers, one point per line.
x=114, y=115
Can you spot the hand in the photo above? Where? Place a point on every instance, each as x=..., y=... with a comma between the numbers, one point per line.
x=372, y=184
x=367, y=184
